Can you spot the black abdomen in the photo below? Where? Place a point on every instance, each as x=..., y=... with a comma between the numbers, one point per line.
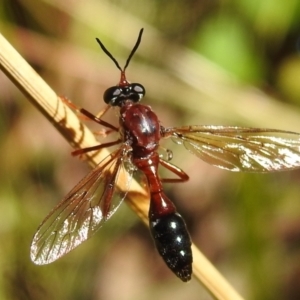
x=173, y=243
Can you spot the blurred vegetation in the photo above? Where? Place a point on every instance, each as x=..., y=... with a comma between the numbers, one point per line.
x=202, y=62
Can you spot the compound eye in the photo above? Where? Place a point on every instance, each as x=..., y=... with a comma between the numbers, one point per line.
x=111, y=95
x=137, y=92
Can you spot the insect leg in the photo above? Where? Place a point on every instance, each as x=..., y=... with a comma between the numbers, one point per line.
x=98, y=120
x=94, y=148
x=180, y=173
x=89, y=116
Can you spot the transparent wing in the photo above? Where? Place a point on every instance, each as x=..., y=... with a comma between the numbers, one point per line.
x=84, y=209
x=239, y=148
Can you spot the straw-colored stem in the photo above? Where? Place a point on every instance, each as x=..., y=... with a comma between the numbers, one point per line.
x=79, y=136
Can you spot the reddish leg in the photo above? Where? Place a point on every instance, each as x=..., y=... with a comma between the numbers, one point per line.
x=97, y=120
x=103, y=111
x=71, y=105
x=90, y=116
x=94, y=148
x=103, y=132
x=181, y=174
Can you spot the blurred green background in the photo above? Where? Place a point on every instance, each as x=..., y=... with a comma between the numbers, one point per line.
x=202, y=62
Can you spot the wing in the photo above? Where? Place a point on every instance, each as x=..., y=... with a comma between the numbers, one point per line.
x=84, y=209
x=240, y=149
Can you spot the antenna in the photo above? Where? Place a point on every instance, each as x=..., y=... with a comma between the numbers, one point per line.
x=130, y=55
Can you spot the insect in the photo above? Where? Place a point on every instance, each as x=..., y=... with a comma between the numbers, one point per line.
x=96, y=197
